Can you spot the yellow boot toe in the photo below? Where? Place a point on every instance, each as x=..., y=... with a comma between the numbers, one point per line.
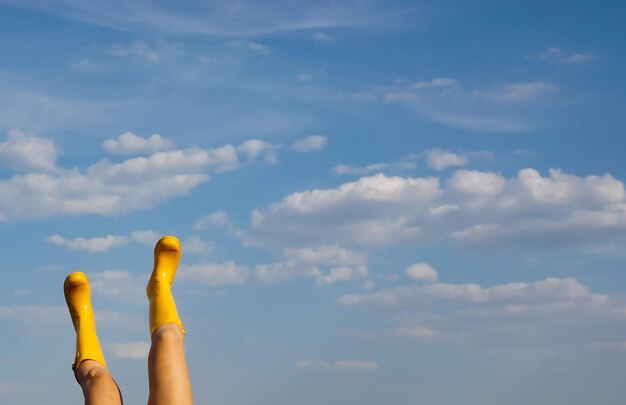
x=78, y=298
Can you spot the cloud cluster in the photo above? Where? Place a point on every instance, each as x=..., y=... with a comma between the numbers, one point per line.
x=27, y=152
x=474, y=208
x=109, y=188
x=559, y=311
x=129, y=143
x=93, y=245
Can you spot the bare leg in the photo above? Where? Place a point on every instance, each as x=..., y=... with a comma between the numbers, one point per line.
x=167, y=368
x=98, y=385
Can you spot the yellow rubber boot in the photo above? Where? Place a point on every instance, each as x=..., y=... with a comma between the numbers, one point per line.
x=162, y=305
x=78, y=299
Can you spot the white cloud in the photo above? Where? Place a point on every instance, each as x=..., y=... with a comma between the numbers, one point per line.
x=247, y=19
x=120, y=285
x=149, y=238
x=93, y=245
x=109, y=188
x=217, y=219
x=129, y=143
x=142, y=50
x=494, y=110
x=438, y=82
x=130, y=350
x=138, y=49
x=85, y=64
x=41, y=317
x=27, y=152
x=49, y=318
x=480, y=209
x=421, y=272
x=517, y=314
x=414, y=332
x=338, y=274
x=550, y=289
x=214, y=274
x=334, y=255
x=322, y=38
x=338, y=365
x=521, y=91
x=255, y=149
x=558, y=55
x=304, y=77
x=439, y=159
x=405, y=163
x=310, y=143
x=326, y=264
x=258, y=48
x=349, y=169
x=195, y=244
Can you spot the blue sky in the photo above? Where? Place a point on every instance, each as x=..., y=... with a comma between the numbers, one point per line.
x=379, y=202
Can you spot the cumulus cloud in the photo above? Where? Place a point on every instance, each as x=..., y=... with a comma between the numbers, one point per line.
x=474, y=208
x=110, y=188
x=545, y=290
x=422, y=272
x=26, y=152
x=130, y=350
x=119, y=285
x=310, y=143
x=338, y=274
x=513, y=314
x=439, y=159
x=327, y=264
x=148, y=238
x=92, y=245
x=129, y=143
x=255, y=149
x=338, y=365
x=359, y=170
x=195, y=244
x=217, y=219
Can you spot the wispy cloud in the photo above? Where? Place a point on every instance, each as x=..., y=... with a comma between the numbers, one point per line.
x=558, y=55
x=92, y=245
x=250, y=18
x=322, y=38
x=309, y=143
x=338, y=366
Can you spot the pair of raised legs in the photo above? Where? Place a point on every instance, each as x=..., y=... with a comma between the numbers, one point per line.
x=167, y=369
